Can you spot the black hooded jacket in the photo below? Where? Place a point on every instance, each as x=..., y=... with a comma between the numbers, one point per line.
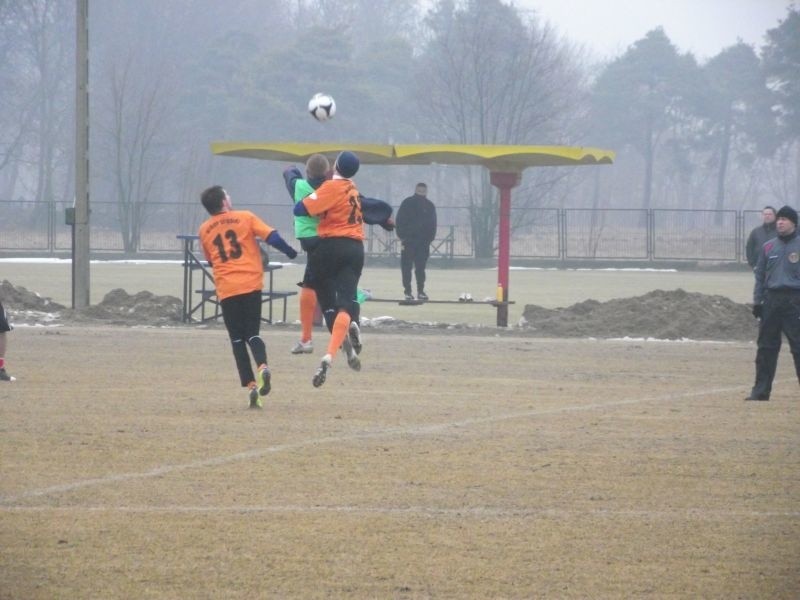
x=416, y=220
x=758, y=237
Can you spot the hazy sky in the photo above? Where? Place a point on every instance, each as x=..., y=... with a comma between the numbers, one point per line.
x=703, y=27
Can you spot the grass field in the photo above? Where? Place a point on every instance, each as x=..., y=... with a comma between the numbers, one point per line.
x=449, y=467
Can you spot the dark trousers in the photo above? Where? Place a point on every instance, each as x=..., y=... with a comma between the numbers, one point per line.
x=337, y=264
x=414, y=255
x=4, y=324
x=781, y=316
x=308, y=245
x=242, y=317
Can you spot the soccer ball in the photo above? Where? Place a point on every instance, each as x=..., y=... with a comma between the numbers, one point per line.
x=322, y=107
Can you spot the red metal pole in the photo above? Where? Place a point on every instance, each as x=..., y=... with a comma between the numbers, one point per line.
x=504, y=182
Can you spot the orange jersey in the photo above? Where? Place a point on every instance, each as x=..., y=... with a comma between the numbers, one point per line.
x=337, y=203
x=229, y=242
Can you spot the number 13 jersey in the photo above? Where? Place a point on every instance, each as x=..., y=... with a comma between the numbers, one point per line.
x=229, y=243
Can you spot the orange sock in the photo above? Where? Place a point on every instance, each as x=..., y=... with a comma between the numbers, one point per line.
x=308, y=302
x=340, y=327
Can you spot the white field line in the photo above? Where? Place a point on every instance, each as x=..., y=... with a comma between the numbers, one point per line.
x=480, y=512
x=413, y=430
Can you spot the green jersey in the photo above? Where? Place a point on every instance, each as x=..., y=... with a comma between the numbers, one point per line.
x=304, y=227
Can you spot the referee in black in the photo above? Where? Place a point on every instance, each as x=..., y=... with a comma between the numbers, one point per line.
x=776, y=301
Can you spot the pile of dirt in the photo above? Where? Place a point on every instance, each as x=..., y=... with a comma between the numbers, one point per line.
x=143, y=308
x=21, y=299
x=669, y=315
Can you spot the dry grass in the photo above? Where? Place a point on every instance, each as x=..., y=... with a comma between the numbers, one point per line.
x=450, y=467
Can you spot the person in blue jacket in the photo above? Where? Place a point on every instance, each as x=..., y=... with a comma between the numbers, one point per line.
x=776, y=301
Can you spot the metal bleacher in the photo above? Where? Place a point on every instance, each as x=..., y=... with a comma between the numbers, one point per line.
x=200, y=302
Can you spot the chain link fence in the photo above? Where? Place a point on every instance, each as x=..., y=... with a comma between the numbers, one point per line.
x=541, y=233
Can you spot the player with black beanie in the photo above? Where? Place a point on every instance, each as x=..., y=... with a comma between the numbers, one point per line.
x=338, y=260
x=776, y=301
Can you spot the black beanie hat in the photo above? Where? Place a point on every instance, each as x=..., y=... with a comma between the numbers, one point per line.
x=787, y=212
x=346, y=164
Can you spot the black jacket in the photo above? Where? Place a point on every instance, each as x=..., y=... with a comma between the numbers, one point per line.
x=416, y=220
x=758, y=237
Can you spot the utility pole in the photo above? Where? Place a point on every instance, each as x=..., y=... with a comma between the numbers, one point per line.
x=80, y=225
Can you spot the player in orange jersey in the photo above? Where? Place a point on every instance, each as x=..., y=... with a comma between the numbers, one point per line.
x=338, y=260
x=228, y=239
x=305, y=231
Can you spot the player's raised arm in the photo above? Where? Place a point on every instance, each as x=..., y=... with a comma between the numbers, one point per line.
x=291, y=175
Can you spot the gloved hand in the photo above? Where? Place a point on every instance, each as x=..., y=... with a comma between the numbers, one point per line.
x=291, y=252
x=388, y=224
x=758, y=310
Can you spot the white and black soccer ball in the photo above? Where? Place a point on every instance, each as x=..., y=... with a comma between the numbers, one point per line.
x=322, y=107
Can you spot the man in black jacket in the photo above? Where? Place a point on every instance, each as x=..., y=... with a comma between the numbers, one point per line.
x=760, y=235
x=416, y=228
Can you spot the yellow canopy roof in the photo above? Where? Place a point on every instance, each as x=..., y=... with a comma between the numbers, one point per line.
x=493, y=157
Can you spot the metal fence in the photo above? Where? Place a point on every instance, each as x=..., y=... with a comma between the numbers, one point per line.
x=542, y=233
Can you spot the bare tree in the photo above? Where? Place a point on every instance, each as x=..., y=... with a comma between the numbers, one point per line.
x=488, y=77
x=136, y=138
x=35, y=103
x=365, y=21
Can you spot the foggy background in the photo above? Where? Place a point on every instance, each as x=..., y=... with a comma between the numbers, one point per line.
x=169, y=77
x=703, y=27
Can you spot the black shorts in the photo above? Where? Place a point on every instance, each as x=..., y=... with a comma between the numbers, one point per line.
x=242, y=315
x=337, y=264
x=4, y=325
